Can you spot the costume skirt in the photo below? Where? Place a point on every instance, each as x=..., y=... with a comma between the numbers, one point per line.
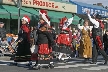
x=56, y=49
x=23, y=53
x=65, y=49
x=44, y=54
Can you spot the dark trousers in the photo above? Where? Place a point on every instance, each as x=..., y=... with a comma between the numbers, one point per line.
x=97, y=47
x=106, y=48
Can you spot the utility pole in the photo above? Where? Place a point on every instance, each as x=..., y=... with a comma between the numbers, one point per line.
x=19, y=3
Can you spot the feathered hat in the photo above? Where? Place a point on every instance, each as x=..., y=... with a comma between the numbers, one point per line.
x=44, y=16
x=62, y=20
x=26, y=18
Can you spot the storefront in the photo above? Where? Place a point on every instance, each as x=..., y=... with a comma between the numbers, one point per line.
x=83, y=7
x=56, y=9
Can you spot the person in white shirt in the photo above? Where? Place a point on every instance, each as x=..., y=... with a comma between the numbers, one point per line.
x=85, y=50
x=97, y=37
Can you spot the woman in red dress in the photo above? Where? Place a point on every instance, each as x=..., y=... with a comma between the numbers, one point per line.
x=64, y=39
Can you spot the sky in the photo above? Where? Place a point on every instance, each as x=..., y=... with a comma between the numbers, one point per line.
x=104, y=2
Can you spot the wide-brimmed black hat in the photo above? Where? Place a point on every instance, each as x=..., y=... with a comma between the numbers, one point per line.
x=98, y=16
x=1, y=22
x=43, y=25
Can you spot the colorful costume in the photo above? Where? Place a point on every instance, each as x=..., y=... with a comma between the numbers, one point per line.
x=97, y=38
x=23, y=51
x=85, y=50
x=64, y=39
x=44, y=42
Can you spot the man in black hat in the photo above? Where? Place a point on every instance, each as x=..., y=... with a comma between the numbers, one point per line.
x=2, y=31
x=97, y=37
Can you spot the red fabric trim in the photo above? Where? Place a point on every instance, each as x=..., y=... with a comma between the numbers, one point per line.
x=34, y=57
x=64, y=39
x=101, y=24
x=99, y=42
x=44, y=49
x=27, y=30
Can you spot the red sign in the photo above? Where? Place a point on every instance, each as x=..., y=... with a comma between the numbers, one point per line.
x=38, y=3
x=45, y=4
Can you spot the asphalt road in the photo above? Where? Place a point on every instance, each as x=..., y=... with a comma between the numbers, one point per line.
x=74, y=65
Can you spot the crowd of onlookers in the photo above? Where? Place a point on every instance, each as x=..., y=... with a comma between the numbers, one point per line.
x=8, y=44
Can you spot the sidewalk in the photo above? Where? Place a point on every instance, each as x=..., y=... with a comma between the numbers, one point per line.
x=5, y=58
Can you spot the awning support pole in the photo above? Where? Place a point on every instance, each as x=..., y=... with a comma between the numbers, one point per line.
x=19, y=7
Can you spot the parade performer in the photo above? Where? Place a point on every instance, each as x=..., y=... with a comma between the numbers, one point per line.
x=23, y=53
x=85, y=49
x=98, y=26
x=44, y=42
x=63, y=39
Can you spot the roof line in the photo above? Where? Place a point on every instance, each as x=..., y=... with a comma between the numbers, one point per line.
x=97, y=7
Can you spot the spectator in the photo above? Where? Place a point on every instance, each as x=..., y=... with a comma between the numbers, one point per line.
x=105, y=41
x=4, y=44
x=35, y=34
x=2, y=31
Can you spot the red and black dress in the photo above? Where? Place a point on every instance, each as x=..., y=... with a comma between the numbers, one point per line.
x=23, y=51
x=44, y=42
x=64, y=42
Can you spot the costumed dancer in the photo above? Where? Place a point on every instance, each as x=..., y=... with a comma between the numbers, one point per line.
x=63, y=39
x=98, y=26
x=85, y=49
x=23, y=53
x=44, y=42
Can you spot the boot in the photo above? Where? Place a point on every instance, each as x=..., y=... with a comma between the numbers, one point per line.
x=85, y=60
x=29, y=64
x=105, y=63
x=93, y=62
x=65, y=61
x=51, y=65
x=37, y=67
x=59, y=60
x=14, y=64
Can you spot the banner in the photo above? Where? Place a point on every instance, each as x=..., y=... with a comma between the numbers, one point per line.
x=45, y=4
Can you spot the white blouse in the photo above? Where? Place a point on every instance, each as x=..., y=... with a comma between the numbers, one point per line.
x=96, y=23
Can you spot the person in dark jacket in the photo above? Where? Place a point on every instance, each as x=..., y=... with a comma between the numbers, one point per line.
x=23, y=53
x=2, y=31
x=105, y=41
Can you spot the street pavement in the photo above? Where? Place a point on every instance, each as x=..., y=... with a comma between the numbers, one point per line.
x=74, y=65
